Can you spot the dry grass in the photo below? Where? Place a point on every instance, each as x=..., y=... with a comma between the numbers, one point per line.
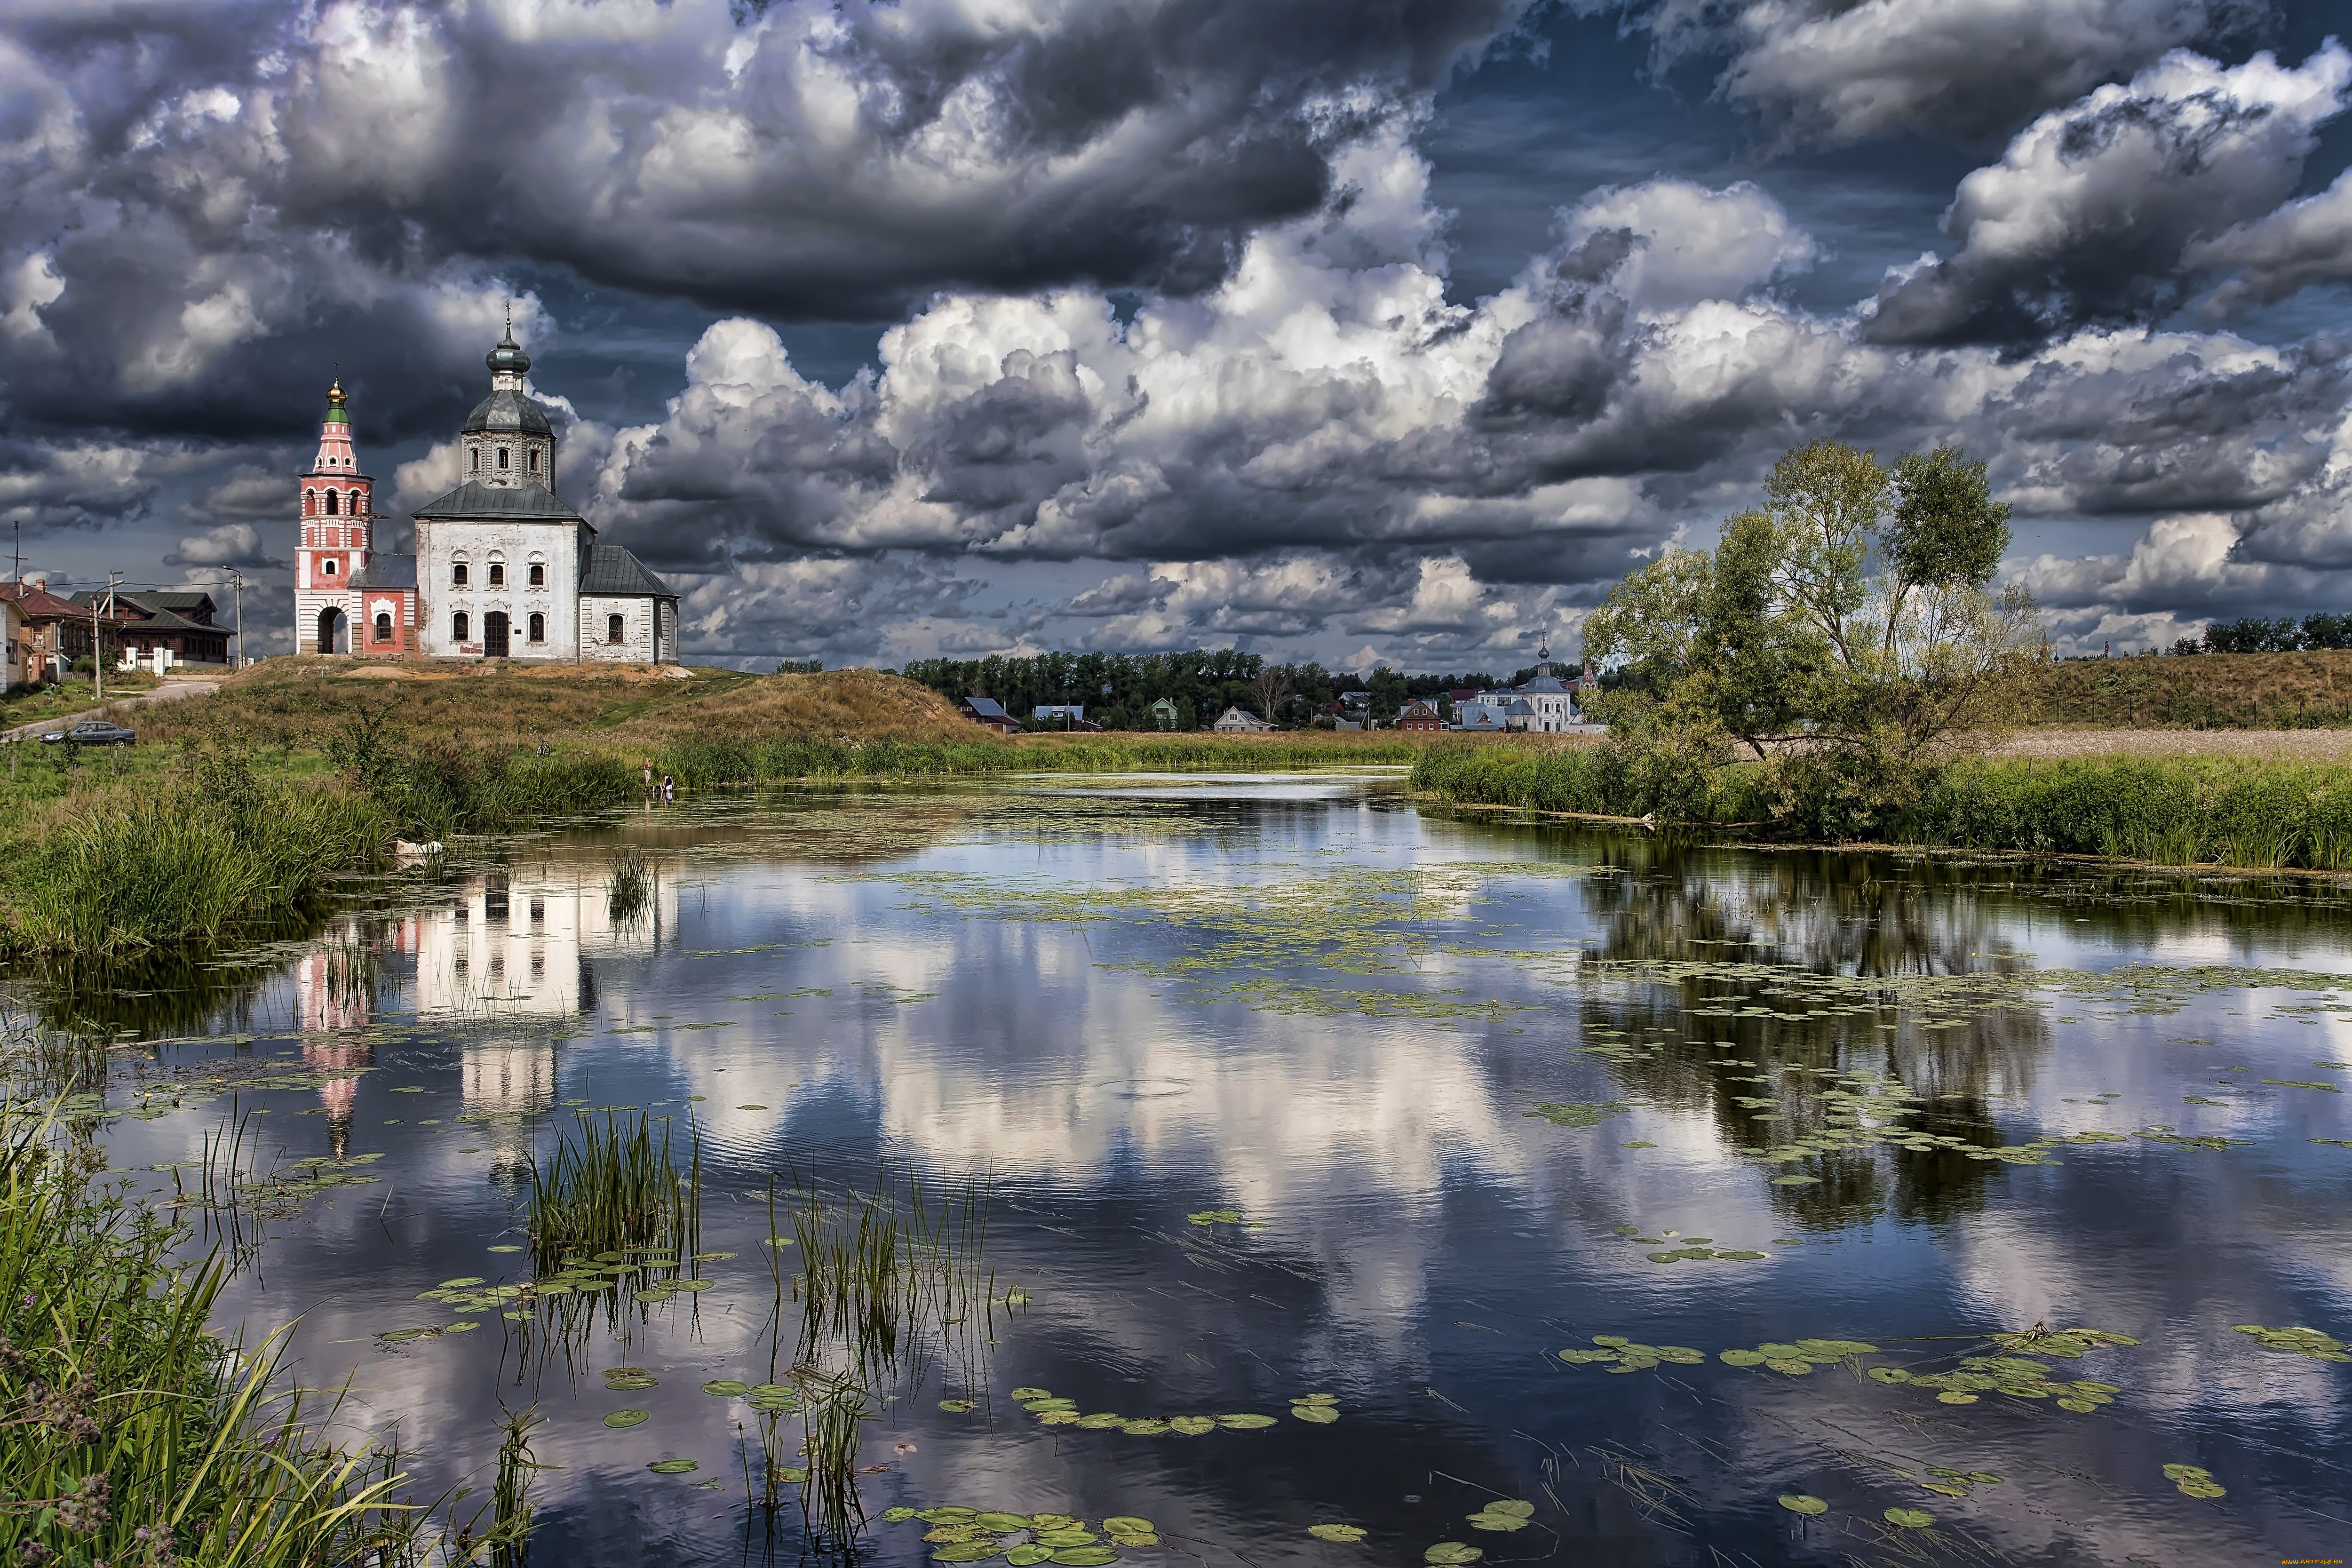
x=299, y=704
x=2275, y=745
x=2208, y=691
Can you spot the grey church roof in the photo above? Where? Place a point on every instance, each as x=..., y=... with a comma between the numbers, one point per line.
x=508, y=411
x=523, y=502
x=613, y=572
x=1546, y=683
x=386, y=572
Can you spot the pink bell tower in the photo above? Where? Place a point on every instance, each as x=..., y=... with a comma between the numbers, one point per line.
x=337, y=515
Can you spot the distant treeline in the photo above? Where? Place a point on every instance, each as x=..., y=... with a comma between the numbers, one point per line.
x=2259, y=636
x=1119, y=689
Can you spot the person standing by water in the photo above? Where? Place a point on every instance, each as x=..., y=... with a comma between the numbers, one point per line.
x=668, y=789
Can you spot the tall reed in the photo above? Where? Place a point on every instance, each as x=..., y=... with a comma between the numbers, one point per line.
x=617, y=1189
x=629, y=891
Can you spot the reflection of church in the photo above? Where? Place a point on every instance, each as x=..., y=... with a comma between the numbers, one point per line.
x=505, y=948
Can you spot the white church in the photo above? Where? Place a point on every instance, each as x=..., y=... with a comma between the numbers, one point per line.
x=503, y=568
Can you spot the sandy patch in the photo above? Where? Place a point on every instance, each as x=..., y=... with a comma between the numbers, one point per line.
x=392, y=672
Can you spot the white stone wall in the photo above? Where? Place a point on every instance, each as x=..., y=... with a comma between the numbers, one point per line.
x=559, y=546
x=637, y=644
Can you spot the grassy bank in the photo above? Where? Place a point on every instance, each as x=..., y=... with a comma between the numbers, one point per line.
x=133, y=1437
x=2175, y=811
x=125, y=867
x=2311, y=690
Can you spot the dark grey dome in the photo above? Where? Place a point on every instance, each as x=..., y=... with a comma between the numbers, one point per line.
x=508, y=355
x=508, y=411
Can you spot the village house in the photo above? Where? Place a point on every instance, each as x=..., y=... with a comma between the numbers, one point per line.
x=1164, y=715
x=1239, y=721
x=1419, y=715
x=988, y=712
x=12, y=647
x=177, y=621
x=42, y=617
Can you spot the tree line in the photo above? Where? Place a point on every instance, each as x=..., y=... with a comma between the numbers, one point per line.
x=1117, y=690
x=2258, y=635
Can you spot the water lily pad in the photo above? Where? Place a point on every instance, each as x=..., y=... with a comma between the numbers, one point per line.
x=1192, y=1426
x=620, y=1418
x=1345, y=1534
x=963, y=1551
x=955, y=1406
x=726, y=1387
x=1804, y=1502
x=1954, y=1396
x=1741, y=1358
x=1144, y=1426
x=1129, y=1525
x=1909, y=1518
x=1321, y=1414
x=1487, y=1518
x=464, y=1280
x=1083, y=1556
x=1033, y=1394
x=1791, y=1366
x=464, y=1327
x=506, y=1247
x=631, y=1385
x=1001, y=1523
x=1029, y=1556
x=792, y=1475
x=1101, y=1421
x=1244, y=1423
x=1069, y=1536
x=1889, y=1375
x=674, y=1466
x=1452, y=1553
x=398, y=1334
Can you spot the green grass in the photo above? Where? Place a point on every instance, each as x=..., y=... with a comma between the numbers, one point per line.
x=132, y=1436
x=179, y=858
x=2175, y=811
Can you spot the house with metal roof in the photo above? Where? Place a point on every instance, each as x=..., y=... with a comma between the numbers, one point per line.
x=507, y=569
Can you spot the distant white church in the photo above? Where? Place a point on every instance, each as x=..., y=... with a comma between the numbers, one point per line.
x=503, y=569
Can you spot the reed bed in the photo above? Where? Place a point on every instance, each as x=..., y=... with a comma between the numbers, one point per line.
x=132, y=1436
x=629, y=890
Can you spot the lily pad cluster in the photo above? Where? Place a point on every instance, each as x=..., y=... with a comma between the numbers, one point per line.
x=1215, y=1217
x=1795, y=1358
x=1346, y=1534
x=768, y=1398
x=1503, y=1514
x=1023, y=1539
x=1051, y=1411
x=1577, y=1114
x=2194, y=1481
x=1630, y=1355
x=2297, y=1342
x=2019, y=1376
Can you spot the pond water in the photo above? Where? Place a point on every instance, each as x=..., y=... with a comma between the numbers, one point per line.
x=1281, y=1088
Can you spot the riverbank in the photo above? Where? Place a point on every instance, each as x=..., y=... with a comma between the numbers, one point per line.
x=2249, y=812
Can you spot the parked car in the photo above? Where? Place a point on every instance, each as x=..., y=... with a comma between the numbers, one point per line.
x=95, y=733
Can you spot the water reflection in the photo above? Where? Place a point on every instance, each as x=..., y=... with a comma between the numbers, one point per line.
x=1334, y=1017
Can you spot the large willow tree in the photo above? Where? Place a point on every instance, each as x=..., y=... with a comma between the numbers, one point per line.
x=1845, y=634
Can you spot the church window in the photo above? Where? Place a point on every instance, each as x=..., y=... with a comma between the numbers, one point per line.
x=538, y=576
x=498, y=574
x=310, y=504
x=460, y=627
x=534, y=459
x=502, y=457
x=457, y=574
x=474, y=460
x=538, y=628
x=383, y=626
x=327, y=567
x=613, y=628
x=359, y=504
x=330, y=503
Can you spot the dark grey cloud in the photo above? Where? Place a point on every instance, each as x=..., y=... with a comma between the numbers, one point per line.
x=2088, y=218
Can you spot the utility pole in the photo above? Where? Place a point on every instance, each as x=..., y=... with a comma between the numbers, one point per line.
x=239, y=578
x=98, y=642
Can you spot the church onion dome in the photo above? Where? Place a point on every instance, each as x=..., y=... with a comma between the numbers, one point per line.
x=336, y=413
x=508, y=355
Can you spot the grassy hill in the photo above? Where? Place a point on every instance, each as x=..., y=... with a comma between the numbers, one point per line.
x=2207, y=692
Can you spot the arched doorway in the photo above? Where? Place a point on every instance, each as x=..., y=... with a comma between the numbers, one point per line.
x=334, y=631
x=494, y=634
